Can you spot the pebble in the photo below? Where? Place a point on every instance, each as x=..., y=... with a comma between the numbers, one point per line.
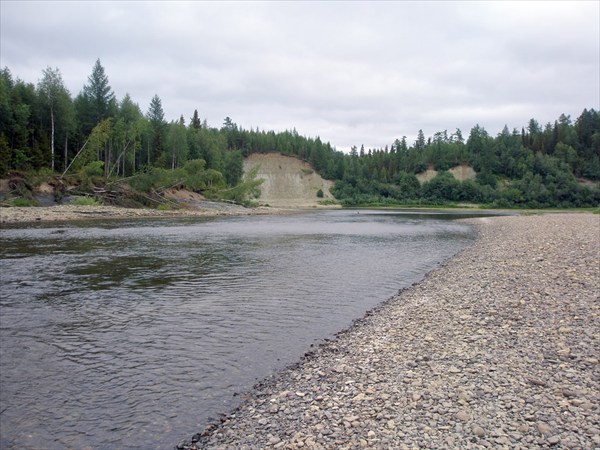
x=463, y=416
x=544, y=428
x=553, y=440
x=483, y=337
x=478, y=431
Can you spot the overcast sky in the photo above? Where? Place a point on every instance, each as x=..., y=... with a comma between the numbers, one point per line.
x=350, y=72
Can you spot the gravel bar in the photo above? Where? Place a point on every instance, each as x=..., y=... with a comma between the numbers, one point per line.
x=67, y=213
x=497, y=348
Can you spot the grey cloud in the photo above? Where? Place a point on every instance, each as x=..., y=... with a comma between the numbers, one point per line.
x=351, y=72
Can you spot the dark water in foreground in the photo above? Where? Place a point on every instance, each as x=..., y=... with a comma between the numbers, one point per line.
x=133, y=334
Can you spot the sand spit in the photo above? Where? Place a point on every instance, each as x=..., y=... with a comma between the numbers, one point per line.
x=498, y=348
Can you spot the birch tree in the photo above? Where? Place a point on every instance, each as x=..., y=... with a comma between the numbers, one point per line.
x=56, y=100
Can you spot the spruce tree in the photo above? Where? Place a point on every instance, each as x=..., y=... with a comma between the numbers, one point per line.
x=156, y=117
x=100, y=94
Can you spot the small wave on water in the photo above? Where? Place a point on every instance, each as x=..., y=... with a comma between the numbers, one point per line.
x=116, y=334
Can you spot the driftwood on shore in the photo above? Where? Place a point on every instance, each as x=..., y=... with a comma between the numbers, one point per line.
x=498, y=348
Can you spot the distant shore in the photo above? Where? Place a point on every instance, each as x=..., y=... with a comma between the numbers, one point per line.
x=63, y=213
x=71, y=212
x=498, y=348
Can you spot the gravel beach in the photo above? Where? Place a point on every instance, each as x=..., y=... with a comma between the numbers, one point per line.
x=64, y=213
x=497, y=348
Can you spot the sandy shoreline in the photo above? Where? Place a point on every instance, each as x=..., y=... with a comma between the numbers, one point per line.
x=498, y=348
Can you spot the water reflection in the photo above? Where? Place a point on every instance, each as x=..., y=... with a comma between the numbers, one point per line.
x=114, y=334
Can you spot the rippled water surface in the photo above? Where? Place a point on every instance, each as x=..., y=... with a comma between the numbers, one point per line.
x=134, y=334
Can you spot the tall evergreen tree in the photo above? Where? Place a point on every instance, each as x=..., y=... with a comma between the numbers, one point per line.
x=156, y=118
x=420, y=142
x=195, y=121
x=100, y=93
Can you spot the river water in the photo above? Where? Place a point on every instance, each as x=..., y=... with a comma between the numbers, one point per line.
x=124, y=334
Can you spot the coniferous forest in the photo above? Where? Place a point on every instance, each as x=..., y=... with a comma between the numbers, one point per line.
x=95, y=136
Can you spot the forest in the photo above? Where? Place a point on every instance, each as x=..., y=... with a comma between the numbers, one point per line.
x=96, y=138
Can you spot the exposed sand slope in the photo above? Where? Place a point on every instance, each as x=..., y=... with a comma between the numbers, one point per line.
x=289, y=182
x=426, y=176
x=461, y=173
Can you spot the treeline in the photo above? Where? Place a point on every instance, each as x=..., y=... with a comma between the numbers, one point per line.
x=43, y=127
x=551, y=166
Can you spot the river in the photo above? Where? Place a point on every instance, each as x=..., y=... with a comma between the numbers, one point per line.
x=129, y=334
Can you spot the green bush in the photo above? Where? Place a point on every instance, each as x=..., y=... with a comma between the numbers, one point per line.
x=420, y=168
x=194, y=166
x=245, y=192
x=20, y=201
x=327, y=202
x=35, y=179
x=142, y=182
x=320, y=193
x=442, y=187
x=154, y=179
x=93, y=169
x=87, y=201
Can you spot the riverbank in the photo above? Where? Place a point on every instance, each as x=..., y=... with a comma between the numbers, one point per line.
x=63, y=213
x=498, y=348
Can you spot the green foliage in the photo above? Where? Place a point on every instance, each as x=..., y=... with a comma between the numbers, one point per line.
x=154, y=179
x=36, y=178
x=486, y=178
x=4, y=155
x=192, y=176
x=42, y=127
x=99, y=93
x=408, y=184
x=327, y=202
x=87, y=201
x=56, y=101
x=420, y=168
x=320, y=193
x=95, y=145
x=89, y=175
x=194, y=166
x=143, y=182
x=22, y=202
x=234, y=167
x=93, y=169
x=245, y=192
x=443, y=187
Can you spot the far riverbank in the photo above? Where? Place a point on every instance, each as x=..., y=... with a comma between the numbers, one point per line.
x=63, y=213
x=71, y=212
x=498, y=348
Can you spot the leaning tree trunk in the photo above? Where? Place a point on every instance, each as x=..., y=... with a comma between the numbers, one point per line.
x=52, y=136
x=66, y=152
